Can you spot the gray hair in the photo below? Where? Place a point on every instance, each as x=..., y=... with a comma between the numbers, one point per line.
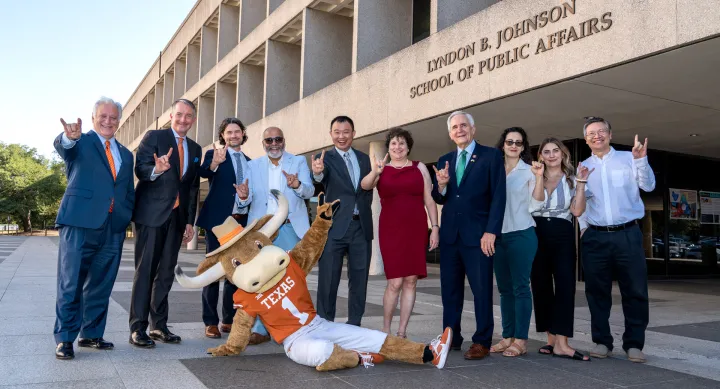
x=106, y=100
x=456, y=113
x=594, y=119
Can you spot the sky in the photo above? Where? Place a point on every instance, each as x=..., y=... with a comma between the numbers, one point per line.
x=58, y=57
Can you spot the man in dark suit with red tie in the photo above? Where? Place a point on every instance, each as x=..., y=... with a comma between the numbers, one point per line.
x=93, y=216
x=165, y=206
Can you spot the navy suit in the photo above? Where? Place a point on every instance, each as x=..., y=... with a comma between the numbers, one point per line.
x=218, y=205
x=470, y=209
x=91, y=237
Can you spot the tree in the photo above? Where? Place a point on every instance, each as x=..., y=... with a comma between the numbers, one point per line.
x=31, y=186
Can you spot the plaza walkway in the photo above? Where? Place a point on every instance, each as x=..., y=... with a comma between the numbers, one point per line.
x=683, y=343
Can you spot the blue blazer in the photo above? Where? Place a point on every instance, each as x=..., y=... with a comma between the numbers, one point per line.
x=91, y=188
x=220, y=200
x=477, y=205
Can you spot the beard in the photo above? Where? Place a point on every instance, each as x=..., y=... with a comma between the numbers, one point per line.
x=274, y=153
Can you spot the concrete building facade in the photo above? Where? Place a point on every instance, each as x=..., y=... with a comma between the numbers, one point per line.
x=650, y=67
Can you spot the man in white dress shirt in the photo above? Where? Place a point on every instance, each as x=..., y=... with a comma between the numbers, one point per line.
x=612, y=242
x=287, y=173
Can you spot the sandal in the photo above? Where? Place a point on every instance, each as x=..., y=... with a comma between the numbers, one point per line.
x=515, y=350
x=501, y=346
x=401, y=335
x=546, y=349
x=577, y=357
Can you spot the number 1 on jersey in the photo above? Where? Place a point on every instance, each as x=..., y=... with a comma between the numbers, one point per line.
x=287, y=304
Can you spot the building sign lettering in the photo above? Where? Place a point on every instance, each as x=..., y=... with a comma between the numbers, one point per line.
x=508, y=56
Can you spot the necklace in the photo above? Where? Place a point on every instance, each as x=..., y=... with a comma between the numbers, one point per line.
x=406, y=163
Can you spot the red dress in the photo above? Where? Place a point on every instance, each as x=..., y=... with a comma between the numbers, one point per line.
x=403, y=222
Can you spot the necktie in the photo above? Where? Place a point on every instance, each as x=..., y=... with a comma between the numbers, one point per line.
x=460, y=170
x=351, y=171
x=239, y=169
x=181, y=155
x=111, y=162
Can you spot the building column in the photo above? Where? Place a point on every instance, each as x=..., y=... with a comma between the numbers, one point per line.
x=378, y=149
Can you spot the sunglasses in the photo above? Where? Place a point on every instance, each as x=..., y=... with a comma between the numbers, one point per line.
x=517, y=143
x=277, y=139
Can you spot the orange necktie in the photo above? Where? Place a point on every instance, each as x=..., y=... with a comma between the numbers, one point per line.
x=111, y=161
x=181, y=155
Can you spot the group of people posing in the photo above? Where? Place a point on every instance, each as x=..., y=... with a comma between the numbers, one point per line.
x=502, y=212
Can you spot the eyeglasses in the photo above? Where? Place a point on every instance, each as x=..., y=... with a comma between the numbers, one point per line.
x=600, y=132
x=277, y=139
x=596, y=119
x=517, y=143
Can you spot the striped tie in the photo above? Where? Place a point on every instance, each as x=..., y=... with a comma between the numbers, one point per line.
x=181, y=155
x=111, y=162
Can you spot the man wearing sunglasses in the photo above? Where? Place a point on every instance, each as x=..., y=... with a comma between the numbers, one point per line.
x=287, y=173
x=611, y=239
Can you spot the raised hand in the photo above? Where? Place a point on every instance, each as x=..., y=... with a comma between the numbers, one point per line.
x=583, y=173
x=380, y=165
x=443, y=175
x=242, y=190
x=219, y=155
x=318, y=166
x=73, y=131
x=538, y=169
x=162, y=164
x=639, y=150
x=292, y=180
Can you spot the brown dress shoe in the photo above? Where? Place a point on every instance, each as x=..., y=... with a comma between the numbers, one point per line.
x=256, y=338
x=477, y=351
x=212, y=332
x=225, y=328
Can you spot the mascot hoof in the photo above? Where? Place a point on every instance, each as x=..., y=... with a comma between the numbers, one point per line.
x=221, y=351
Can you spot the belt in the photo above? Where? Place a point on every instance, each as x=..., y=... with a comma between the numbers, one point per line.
x=356, y=217
x=617, y=227
x=238, y=216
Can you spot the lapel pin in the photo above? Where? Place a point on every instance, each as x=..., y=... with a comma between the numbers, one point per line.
x=196, y=159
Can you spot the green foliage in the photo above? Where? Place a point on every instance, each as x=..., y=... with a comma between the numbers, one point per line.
x=31, y=186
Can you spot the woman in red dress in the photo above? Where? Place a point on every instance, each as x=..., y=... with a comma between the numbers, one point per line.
x=404, y=187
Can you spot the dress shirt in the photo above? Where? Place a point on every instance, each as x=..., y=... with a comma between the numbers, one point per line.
x=613, y=190
x=558, y=203
x=470, y=149
x=276, y=180
x=239, y=207
x=353, y=161
x=154, y=175
x=520, y=202
x=114, y=150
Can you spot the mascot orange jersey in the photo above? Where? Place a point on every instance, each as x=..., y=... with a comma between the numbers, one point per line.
x=285, y=308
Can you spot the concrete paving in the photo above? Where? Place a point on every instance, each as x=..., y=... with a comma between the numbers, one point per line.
x=683, y=346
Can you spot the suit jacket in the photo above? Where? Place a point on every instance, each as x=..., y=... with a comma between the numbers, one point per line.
x=478, y=204
x=259, y=190
x=338, y=185
x=91, y=188
x=220, y=200
x=154, y=200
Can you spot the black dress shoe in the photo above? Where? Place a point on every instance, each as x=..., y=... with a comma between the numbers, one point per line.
x=164, y=336
x=64, y=350
x=98, y=343
x=140, y=339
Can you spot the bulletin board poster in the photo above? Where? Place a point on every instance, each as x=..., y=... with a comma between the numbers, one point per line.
x=709, y=207
x=683, y=204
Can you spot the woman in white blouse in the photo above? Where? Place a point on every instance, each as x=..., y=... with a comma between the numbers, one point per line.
x=516, y=246
x=553, y=272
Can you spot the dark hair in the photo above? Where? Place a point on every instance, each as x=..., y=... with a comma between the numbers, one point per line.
x=525, y=153
x=399, y=132
x=227, y=122
x=186, y=102
x=565, y=162
x=342, y=119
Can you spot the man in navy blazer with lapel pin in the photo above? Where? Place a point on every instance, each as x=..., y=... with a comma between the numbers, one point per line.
x=165, y=206
x=340, y=170
x=471, y=187
x=93, y=216
x=224, y=168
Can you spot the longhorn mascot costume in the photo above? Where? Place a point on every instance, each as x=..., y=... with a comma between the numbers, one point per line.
x=272, y=285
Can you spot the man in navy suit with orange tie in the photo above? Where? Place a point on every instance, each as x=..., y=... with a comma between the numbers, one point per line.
x=471, y=187
x=93, y=216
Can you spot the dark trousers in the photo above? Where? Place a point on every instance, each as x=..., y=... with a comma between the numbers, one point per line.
x=156, y=254
x=456, y=261
x=211, y=293
x=358, y=250
x=88, y=262
x=553, y=276
x=618, y=253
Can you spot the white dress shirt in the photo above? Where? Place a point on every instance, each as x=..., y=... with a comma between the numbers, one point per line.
x=520, y=203
x=470, y=149
x=67, y=143
x=558, y=203
x=276, y=180
x=613, y=189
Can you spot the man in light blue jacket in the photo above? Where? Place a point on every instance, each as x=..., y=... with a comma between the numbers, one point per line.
x=285, y=172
